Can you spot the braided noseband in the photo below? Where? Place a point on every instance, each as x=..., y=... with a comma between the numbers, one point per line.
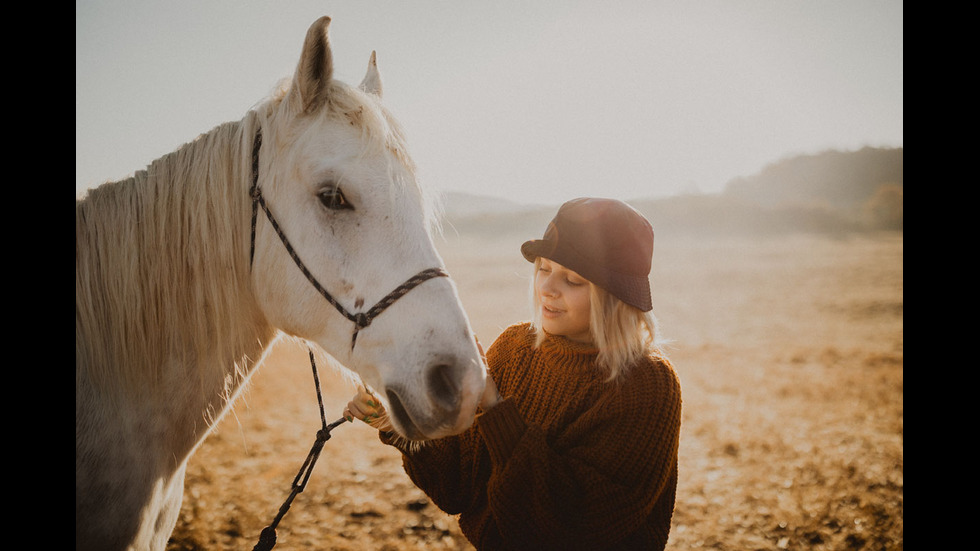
x=360, y=319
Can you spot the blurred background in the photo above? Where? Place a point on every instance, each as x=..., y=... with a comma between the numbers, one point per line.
x=764, y=141
x=531, y=102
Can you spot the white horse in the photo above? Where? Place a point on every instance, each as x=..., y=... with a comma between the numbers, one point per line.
x=174, y=310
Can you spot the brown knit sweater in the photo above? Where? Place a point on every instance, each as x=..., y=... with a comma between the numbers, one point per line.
x=565, y=461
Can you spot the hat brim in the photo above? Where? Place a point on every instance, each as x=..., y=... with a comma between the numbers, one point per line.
x=537, y=247
x=632, y=289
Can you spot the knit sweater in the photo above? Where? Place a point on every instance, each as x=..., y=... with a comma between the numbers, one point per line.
x=565, y=460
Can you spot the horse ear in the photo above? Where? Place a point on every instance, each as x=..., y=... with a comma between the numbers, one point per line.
x=315, y=67
x=372, y=80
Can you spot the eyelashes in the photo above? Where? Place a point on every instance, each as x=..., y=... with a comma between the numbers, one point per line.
x=333, y=198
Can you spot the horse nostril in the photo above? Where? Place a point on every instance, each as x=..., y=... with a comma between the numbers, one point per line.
x=442, y=381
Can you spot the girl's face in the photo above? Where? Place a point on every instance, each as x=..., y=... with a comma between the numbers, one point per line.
x=563, y=297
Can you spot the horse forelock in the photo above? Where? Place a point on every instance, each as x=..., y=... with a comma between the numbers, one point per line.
x=379, y=131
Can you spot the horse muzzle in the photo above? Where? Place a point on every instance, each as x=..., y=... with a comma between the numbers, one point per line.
x=448, y=406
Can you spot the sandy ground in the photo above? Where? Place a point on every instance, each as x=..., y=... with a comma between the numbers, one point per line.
x=790, y=354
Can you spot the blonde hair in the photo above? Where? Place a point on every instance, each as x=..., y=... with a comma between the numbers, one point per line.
x=622, y=333
x=162, y=256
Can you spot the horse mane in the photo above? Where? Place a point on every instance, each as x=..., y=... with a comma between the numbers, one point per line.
x=162, y=261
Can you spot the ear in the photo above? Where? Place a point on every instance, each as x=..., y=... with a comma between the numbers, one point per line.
x=372, y=80
x=315, y=67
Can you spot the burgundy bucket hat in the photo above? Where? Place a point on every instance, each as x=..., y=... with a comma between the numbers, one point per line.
x=605, y=241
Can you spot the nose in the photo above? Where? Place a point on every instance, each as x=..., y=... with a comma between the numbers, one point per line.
x=546, y=286
x=443, y=381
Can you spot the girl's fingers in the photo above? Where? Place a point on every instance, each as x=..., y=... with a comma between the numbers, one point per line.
x=358, y=410
x=364, y=406
x=367, y=408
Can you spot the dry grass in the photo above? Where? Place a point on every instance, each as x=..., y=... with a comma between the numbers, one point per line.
x=790, y=353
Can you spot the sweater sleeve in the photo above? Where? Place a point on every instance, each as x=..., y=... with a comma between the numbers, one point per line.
x=452, y=471
x=445, y=469
x=596, y=481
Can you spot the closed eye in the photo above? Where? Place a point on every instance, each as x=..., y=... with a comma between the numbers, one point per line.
x=334, y=199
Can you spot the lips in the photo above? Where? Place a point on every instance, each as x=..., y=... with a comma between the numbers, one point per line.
x=410, y=429
x=550, y=311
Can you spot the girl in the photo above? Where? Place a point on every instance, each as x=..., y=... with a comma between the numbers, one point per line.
x=578, y=448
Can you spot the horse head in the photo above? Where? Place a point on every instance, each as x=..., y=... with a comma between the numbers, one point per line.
x=334, y=168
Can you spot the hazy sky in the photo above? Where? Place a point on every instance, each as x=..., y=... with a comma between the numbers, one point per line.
x=535, y=101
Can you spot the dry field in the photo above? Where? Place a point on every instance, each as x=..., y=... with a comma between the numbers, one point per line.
x=790, y=354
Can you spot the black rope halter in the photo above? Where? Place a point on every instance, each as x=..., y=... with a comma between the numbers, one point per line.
x=360, y=319
x=267, y=539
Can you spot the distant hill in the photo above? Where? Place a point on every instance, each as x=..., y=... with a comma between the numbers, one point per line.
x=835, y=178
x=833, y=192
x=463, y=205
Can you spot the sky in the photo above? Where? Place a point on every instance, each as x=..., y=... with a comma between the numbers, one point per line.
x=532, y=101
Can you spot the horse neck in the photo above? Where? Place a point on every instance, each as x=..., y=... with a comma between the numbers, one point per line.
x=163, y=292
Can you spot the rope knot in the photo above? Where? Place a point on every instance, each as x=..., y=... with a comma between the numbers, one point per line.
x=267, y=540
x=362, y=320
x=322, y=435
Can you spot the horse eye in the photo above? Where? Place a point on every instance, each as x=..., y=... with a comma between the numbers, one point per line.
x=334, y=199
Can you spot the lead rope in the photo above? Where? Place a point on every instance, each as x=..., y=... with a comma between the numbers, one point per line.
x=267, y=539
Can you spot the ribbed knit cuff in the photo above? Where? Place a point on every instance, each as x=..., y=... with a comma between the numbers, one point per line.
x=393, y=439
x=502, y=428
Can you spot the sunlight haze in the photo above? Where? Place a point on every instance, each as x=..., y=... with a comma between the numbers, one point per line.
x=536, y=102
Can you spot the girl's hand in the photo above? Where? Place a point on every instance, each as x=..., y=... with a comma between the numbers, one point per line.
x=490, y=394
x=367, y=408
